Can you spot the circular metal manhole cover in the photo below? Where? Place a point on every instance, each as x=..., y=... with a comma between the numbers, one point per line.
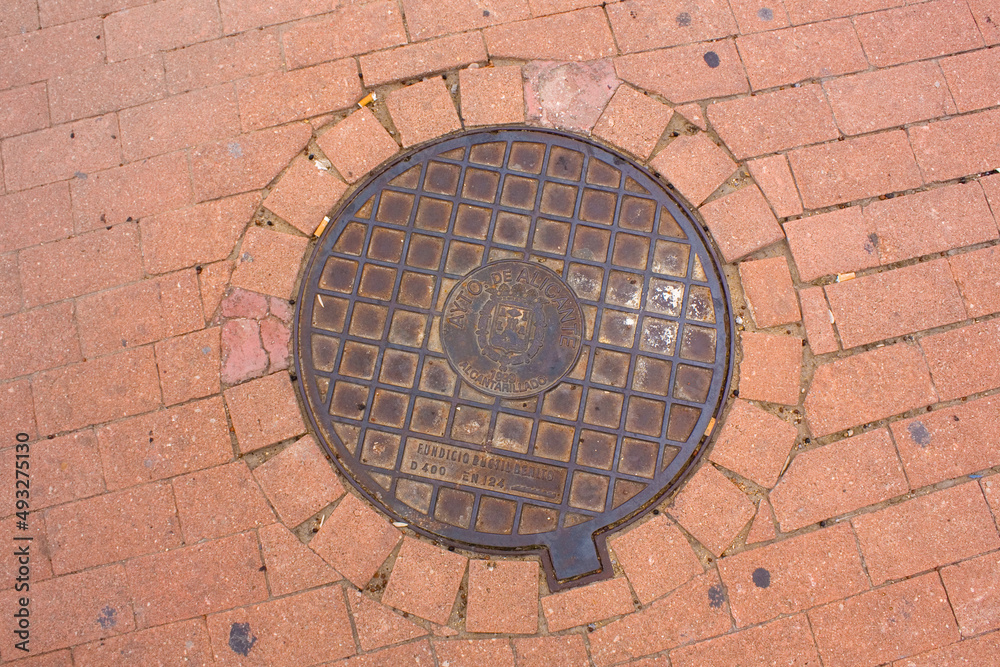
x=514, y=340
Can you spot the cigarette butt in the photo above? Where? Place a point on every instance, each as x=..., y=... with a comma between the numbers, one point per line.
x=366, y=100
x=322, y=226
x=844, y=277
x=711, y=425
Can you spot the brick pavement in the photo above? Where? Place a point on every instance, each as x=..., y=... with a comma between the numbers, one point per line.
x=165, y=163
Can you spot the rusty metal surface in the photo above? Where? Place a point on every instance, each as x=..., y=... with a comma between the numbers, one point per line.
x=514, y=340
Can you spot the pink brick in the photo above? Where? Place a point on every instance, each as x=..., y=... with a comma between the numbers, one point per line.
x=712, y=509
x=762, y=529
x=741, y=223
x=492, y=95
x=200, y=234
x=964, y=361
x=241, y=303
x=291, y=565
x=305, y=194
x=903, y=619
x=456, y=652
x=413, y=653
x=696, y=611
x=179, y=122
x=189, y=366
x=928, y=30
x=974, y=593
x=817, y=320
x=641, y=25
x=277, y=632
x=16, y=408
x=106, y=88
x=299, y=481
x=838, y=478
x=767, y=285
x=568, y=95
x=774, y=177
x=426, y=18
x=70, y=466
x=842, y=240
x=887, y=98
x=355, y=540
x=241, y=15
x=682, y=73
x=976, y=274
x=568, y=650
x=694, y=114
x=196, y=580
x=347, y=31
x=414, y=60
x=269, y=262
x=131, y=192
x=786, y=641
x=771, y=368
x=60, y=152
x=20, y=16
x=893, y=303
x=925, y=532
x=42, y=54
x=423, y=111
x=633, y=121
x=80, y=265
x=10, y=291
x=424, y=580
x=38, y=339
x=750, y=125
x=503, y=597
x=139, y=313
x=932, y=221
x=695, y=165
x=34, y=216
x=185, y=642
x=939, y=445
x=220, y=501
x=247, y=162
x=580, y=35
x=972, y=78
x=165, y=443
x=23, y=110
x=808, y=11
x=759, y=15
x=587, y=604
x=868, y=386
x=959, y=146
x=246, y=402
x=279, y=97
x=161, y=26
x=805, y=52
x=377, y=625
x=221, y=60
x=357, y=144
x=96, y=391
x=214, y=279
x=985, y=12
x=656, y=558
x=112, y=527
x=74, y=609
x=754, y=443
x=857, y=168
x=978, y=651
x=242, y=354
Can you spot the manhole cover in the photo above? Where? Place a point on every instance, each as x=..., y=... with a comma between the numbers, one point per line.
x=514, y=340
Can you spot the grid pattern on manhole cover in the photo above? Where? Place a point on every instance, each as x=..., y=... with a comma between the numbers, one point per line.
x=486, y=443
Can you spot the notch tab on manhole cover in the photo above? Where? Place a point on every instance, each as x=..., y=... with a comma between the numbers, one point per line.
x=514, y=340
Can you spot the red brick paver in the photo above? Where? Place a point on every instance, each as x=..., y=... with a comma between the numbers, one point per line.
x=754, y=443
x=656, y=558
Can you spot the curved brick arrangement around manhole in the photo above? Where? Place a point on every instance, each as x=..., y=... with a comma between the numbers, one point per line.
x=847, y=508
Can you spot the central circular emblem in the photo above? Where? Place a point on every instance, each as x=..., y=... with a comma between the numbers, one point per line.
x=512, y=329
